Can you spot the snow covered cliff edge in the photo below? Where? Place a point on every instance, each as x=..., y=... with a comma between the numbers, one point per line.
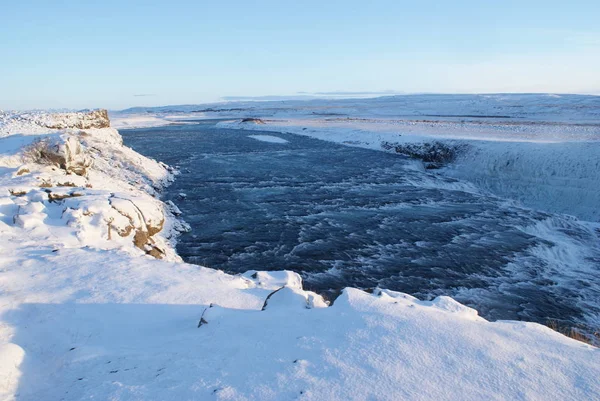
x=94, y=302
x=79, y=176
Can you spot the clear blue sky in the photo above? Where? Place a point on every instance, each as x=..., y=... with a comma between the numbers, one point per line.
x=107, y=53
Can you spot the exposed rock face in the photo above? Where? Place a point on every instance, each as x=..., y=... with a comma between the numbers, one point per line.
x=434, y=154
x=155, y=229
x=140, y=219
x=76, y=161
x=253, y=120
x=93, y=119
x=64, y=152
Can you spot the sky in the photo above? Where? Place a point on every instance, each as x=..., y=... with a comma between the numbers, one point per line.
x=117, y=54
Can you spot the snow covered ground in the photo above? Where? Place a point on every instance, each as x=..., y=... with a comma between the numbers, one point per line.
x=94, y=302
x=490, y=107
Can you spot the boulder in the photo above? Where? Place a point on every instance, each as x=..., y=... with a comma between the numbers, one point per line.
x=65, y=152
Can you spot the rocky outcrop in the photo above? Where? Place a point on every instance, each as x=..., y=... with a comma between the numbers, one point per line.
x=252, y=120
x=64, y=152
x=82, y=120
x=434, y=154
x=141, y=218
x=105, y=190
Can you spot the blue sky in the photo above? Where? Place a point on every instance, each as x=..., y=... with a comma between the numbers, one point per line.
x=116, y=54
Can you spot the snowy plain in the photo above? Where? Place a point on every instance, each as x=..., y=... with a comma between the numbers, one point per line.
x=86, y=311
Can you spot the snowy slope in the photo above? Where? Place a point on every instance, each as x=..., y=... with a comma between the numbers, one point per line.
x=87, y=311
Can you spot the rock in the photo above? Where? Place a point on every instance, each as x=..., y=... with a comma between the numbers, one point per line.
x=83, y=120
x=436, y=154
x=56, y=197
x=171, y=207
x=23, y=170
x=285, y=298
x=65, y=152
x=135, y=215
x=154, y=229
x=76, y=161
x=17, y=192
x=253, y=120
x=155, y=252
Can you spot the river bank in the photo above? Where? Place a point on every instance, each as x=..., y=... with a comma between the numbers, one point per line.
x=89, y=311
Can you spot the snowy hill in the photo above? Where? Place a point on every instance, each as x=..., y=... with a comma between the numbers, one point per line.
x=94, y=302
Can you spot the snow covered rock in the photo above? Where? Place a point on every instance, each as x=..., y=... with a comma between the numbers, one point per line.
x=252, y=121
x=88, y=182
x=82, y=120
x=274, y=279
x=285, y=298
x=65, y=152
x=434, y=154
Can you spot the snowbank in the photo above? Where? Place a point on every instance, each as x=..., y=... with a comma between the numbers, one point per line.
x=268, y=138
x=86, y=311
x=137, y=121
x=550, y=167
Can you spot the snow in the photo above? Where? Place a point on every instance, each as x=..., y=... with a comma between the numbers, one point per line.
x=136, y=121
x=555, y=177
x=542, y=170
x=540, y=150
x=268, y=138
x=121, y=120
x=87, y=314
x=507, y=108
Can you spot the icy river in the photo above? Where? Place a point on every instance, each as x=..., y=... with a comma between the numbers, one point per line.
x=345, y=216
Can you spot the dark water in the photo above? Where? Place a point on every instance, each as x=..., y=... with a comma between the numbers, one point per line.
x=344, y=216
